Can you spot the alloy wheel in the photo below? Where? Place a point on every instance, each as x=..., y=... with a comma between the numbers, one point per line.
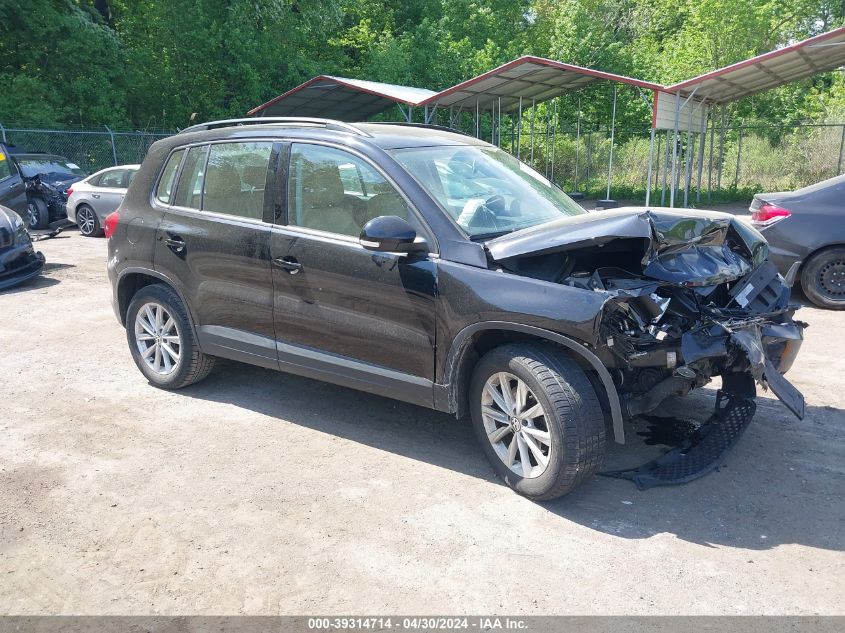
x=516, y=425
x=32, y=215
x=157, y=338
x=85, y=220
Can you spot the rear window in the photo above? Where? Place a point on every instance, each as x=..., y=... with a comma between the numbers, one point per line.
x=168, y=175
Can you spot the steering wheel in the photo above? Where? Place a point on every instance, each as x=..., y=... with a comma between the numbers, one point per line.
x=482, y=213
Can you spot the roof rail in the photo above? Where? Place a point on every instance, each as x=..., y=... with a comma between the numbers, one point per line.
x=329, y=124
x=427, y=126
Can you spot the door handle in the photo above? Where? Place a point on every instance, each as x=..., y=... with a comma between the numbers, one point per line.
x=14, y=185
x=288, y=263
x=175, y=244
x=95, y=195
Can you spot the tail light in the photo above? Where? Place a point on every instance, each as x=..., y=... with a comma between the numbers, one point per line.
x=769, y=214
x=69, y=191
x=110, y=224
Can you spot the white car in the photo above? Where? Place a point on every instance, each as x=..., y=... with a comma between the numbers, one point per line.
x=92, y=199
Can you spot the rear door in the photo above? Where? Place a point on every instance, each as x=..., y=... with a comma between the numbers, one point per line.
x=12, y=190
x=214, y=243
x=108, y=190
x=343, y=313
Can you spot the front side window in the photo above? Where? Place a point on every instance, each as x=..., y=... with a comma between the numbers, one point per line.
x=113, y=179
x=168, y=176
x=235, y=178
x=335, y=191
x=487, y=191
x=189, y=189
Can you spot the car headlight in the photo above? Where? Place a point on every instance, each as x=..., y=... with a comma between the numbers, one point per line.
x=21, y=236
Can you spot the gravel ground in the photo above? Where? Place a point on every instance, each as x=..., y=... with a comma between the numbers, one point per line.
x=256, y=492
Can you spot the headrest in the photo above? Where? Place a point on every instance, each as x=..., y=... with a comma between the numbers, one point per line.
x=255, y=176
x=321, y=185
x=222, y=180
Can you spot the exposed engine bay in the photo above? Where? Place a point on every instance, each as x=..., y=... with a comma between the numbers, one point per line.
x=688, y=296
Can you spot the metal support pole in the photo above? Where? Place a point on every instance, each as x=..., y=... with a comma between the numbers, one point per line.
x=650, y=161
x=710, y=162
x=702, y=138
x=665, y=171
x=721, y=161
x=555, y=123
x=690, y=152
x=838, y=163
x=477, y=120
x=519, y=130
x=499, y=123
x=738, y=158
x=612, y=138
x=589, y=158
x=546, y=153
x=577, y=143
x=531, y=129
x=113, y=148
x=675, y=148
x=3, y=130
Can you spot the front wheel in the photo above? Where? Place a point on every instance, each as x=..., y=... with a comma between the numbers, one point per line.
x=823, y=278
x=538, y=419
x=37, y=214
x=161, y=339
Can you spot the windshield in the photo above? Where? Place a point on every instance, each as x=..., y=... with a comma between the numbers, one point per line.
x=53, y=166
x=487, y=191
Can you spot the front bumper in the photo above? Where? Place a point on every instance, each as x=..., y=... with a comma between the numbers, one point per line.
x=19, y=264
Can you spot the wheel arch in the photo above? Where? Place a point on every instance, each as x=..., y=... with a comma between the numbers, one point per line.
x=132, y=280
x=475, y=340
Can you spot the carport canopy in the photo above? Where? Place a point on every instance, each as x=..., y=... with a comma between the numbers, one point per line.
x=341, y=98
x=528, y=79
x=800, y=60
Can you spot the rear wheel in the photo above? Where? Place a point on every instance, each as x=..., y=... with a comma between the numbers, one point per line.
x=37, y=214
x=823, y=278
x=87, y=221
x=538, y=419
x=162, y=341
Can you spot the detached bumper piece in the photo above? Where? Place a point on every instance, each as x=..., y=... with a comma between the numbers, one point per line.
x=704, y=452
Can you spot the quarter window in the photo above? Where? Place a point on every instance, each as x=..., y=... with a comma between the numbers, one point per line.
x=168, y=175
x=335, y=191
x=189, y=189
x=234, y=182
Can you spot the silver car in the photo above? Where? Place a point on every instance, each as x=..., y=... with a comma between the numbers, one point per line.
x=93, y=198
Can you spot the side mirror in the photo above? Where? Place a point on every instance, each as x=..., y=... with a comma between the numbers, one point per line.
x=391, y=234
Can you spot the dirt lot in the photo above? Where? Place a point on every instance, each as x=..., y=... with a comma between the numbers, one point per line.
x=257, y=492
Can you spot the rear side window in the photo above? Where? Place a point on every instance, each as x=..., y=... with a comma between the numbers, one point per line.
x=235, y=178
x=189, y=189
x=168, y=175
x=113, y=178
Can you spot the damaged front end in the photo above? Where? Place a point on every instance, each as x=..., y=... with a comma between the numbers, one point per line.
x=53, y=195
x=689, y=296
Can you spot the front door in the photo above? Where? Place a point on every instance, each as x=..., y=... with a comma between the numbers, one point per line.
x=338, y=307
x=12, y=189
x=214, y=243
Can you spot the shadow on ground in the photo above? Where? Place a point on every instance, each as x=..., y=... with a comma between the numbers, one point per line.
x=780, y=485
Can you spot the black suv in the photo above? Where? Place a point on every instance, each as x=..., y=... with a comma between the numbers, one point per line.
x=427, y=266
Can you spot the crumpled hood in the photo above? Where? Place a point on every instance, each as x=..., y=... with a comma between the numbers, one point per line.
x=680, y=246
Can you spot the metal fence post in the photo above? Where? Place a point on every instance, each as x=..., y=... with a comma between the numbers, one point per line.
x=113, y=148
x=3, y=130
x=838, y=164
x=738, y=158
x=612, y=138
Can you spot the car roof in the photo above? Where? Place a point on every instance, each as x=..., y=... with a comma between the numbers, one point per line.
x=37, y=156
x=383, y=135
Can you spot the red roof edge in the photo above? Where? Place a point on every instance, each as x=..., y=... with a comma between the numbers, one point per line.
x=756, y=60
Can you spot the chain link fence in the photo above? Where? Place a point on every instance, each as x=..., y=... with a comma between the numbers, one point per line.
x=92, y=150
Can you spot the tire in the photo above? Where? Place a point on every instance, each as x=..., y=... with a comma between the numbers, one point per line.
x=823, y=278
x=37, y=214
x=189, y=365
x=87, y=221
x=572, y=416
